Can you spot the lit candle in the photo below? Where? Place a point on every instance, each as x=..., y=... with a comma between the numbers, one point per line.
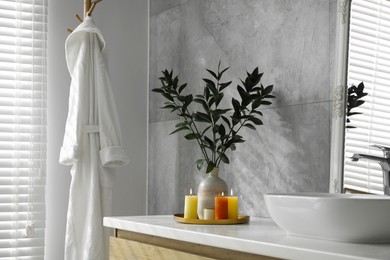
x=190, y=206
x=221, y=207
x=208, y=213
x=232, y=206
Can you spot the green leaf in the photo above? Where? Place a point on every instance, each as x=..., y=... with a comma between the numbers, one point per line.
x=247, y=84
x=180, y=129
x=256, y=121
x=257, y=112
x=221, y=130
x=210, y=143
x=167, y=96
x=182, y=87
x=359, y=103
x=202, y=117
x=211, y=85
x=182, y=124
x=181, y=98
x=264, y=102
x=175, y=82
x=223, y=111
x=354, y=113
x=243, y=94
x=235, y=119
x=226, y=121
x=221, y=73
x=218, y=99
x=267, y=90
x=158, y=90
x=250, y=126
x=222, y=86
x=256, y=103
x=191, y=136
x=360, y=87
x=212, y=73
x=188, y=99
x=236, y=106
x=203, y=102
x=211, y=101
x=169, y=106
x=255, y=76
x=236, y=137
x=224, y=158
x=200, y=163
x=215, y=115
x=210, y=167
x=207, y=93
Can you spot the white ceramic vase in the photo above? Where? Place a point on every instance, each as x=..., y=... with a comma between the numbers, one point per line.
x=210, y=187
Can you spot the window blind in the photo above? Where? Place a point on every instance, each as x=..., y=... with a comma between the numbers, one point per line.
x=23, y=26
x=369, y=62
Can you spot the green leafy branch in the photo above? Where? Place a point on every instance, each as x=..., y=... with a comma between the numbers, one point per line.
x=221, y=125
x=355, y=94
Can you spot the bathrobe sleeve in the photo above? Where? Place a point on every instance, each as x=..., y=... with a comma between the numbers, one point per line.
x=112, y=153
x=70, y=150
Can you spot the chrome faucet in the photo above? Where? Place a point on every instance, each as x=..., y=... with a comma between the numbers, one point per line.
x=383, y=161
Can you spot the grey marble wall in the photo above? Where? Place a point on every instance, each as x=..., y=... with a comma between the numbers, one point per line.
x=291, y=41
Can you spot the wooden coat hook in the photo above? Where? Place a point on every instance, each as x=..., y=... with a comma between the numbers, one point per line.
x=89, y=6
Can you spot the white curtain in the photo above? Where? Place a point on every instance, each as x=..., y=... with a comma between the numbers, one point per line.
x=23, y=27
x=369, y=62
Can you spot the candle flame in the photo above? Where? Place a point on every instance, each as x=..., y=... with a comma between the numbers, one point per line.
x=231, y=192
x=190, y=191
x=223, y=194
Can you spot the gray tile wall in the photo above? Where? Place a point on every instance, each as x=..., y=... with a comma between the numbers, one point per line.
x=291, y=41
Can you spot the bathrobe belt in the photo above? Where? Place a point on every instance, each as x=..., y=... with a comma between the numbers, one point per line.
x=91, y=129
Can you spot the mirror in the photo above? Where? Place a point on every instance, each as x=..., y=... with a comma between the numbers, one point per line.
x=363, y=57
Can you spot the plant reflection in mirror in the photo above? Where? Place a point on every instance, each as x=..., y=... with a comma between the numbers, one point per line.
x=214, y=128
x=355, y=94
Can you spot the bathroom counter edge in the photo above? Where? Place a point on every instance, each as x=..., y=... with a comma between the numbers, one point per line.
x=260, y=236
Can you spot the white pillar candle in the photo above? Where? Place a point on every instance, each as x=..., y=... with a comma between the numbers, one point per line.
x=208, y=214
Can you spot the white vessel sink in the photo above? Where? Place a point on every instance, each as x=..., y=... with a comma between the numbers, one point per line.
x=339, y=217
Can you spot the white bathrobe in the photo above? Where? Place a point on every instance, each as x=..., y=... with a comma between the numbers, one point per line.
x=92, y=144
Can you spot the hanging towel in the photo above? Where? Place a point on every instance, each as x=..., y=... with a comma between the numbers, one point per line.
x=92, y=144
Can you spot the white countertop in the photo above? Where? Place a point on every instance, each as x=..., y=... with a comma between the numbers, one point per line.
x=261, y=236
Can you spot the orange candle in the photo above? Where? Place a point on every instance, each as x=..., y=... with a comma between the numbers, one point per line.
x=221, y=207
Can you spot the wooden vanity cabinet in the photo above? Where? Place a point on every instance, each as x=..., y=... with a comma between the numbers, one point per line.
x=127, y=245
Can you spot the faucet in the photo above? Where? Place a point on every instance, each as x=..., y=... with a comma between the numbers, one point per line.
x=383, y=161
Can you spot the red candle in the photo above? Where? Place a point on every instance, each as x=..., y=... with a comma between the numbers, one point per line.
x=221, y=207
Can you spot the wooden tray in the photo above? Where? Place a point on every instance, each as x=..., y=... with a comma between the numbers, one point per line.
x=241, y=220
